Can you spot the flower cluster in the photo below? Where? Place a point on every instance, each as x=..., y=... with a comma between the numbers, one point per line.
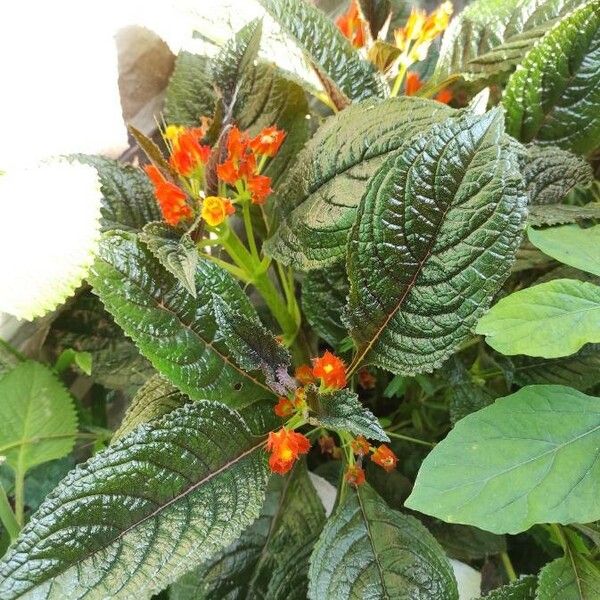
x=382, y=456
x=285, y=446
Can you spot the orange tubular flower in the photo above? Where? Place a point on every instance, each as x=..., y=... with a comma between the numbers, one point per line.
x=304, y=375
x=331, y=370
x=413, y=83
x=355, y=475
x=268, y=141
x=360, y=446
x=171, y=199
x=216, y=209
x=352, y=25
x=284, y=408
x=445, y=96
x=188, y=154
x=228, y=172
x=260, y=188
x=237, y=143
x=385, y=458
x=285, y=446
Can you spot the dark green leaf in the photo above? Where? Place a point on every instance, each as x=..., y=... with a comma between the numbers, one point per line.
x=553, y=97
x=190, y=93
x=435, y=238
x=463, y=542
x=557, y=214
x=324, y=188
x=138, y=515
x=531, y=457
x=254, y=347
x=128, y=201
x=465, y=395
x=270, y=560
x=175, y=251
x=342, y=409
x=327, y=49
x=376, y=12
x=176, y=332
x=522, y=589
x=152, y=151
x=324, y=295
x=574, y=577
x=368, y=550
x=152, y=401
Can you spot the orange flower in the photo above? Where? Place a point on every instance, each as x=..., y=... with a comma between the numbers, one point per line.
x=188, y=154
x=360, y=446
x=445, y=96
x=413, y=83
x=285, y=446
x=284, y=408
x=237, y=143
x=216, y=209
x=352, y=25
x=385, y=458
x=331, y=370
x=260, y=188
x=366, y=380
x=228, y=172
x=304, y=375
x=355, y=475
x=437, y=21
x=268, y=141
x=171, y=199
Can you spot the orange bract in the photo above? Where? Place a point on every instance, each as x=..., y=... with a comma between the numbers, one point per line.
x=331, y=370
x=268, y=141
x=260, y=188
x=216, y=209
x=355, y=475
x=285, y=446
x=304, y=375
x=360, y=445
x=385, y=458
x=284, y=408
x=171, y=199
x=352, y=25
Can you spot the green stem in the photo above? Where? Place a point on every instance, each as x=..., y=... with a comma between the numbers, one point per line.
x=508, y=567
x=399, y=79
x=235, y=271
x=249, y=230
x=7, y=516
x=20, y=497
x=407, y=438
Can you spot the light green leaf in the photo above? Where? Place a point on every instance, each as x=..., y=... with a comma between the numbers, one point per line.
x=270, y=559
x=9, y=357
x=323, y=189
x=573, y=577
x=139, y=514
x=342, y=409
x=38, y=422
x=368, y=550
x=69, y=357
x=176, y=332
x=571, y=245
x=522, y=589
x=529, y=458
x=327, y=49
x=553, y=97
x=175, y=251
x=434, y=240
x=549, y=320
x=190, y=93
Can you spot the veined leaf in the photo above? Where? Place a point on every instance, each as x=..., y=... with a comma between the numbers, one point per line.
x=522, y=589
x=553, y=96
x=551, y=173
x=570, y=245
x=463, y=542
x=175, y=331
x=549, y=320
x=190, y=91
x=434, y=240
x=175, y=251
x=38, y=422
x=328, y=50
x=323, y=189
x=128, y=201
x=270, y=559
x=152, y=401
x=342, y=409
x=137, y=515
x=368, y=550
x=531, y=457
x=324, y=295
x=489, y=37
x=557, y=214
x=574, y=577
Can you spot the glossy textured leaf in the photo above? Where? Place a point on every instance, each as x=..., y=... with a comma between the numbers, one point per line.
x=551, y=173
x=489, y=37
x=175, y=331
x=175, y=251
x=128, y=201
x=270, y=560
x=529, y=458
x=326, y=48
x=434, y=240
x=253, y=347
x=137, y=515
x=152, y=401
x=38, y=422
x=553, y=97
x=342, y=409
x=369, y=551
x=190, y=92
x=323, y=189
x=570, y=578
x=549, y=320
x=522, y=589
x=324, y=295
x=571, y=245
